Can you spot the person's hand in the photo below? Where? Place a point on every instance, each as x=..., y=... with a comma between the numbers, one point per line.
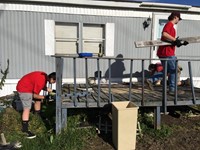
x=49, y=90
x=177, y=43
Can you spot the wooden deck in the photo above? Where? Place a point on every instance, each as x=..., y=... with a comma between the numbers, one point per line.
x=120, y=92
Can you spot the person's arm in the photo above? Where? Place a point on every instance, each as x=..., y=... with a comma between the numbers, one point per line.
x=47, y=89
x=36, y=96
x=168, y=37
x=173, y=40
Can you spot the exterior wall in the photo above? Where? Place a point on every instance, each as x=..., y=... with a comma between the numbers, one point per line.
x=188, y=28
x=22, y=38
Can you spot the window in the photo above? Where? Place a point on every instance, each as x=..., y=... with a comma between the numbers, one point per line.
x=93, y=38
x=74, y=38
x=66, y=38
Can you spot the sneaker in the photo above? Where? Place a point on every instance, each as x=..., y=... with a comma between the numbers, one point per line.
x=187, y=82
x=30, y=135
x=179, y=92
x=150, y=84
x=158, y=82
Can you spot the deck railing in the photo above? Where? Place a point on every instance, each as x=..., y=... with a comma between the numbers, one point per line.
x=61, y=112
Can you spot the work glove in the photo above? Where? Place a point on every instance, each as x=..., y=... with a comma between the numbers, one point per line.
x=179, y=43
x=185, y=43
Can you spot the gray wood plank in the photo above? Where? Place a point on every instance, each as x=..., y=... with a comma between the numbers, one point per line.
x=140, y=44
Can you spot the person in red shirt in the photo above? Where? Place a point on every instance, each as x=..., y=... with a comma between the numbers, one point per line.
x=169, y=34
x=29, y=88
x=156, y=74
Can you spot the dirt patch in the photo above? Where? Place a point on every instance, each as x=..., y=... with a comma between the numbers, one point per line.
x=184, y=136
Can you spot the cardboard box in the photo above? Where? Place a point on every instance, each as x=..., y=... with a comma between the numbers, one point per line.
x=124, y=125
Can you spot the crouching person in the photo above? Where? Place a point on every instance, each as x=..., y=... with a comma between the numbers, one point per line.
x=29, y=87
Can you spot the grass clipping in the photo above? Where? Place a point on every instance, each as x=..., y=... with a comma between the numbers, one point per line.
x=10, y=124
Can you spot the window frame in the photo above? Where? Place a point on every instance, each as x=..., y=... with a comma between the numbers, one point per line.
x=107, y=37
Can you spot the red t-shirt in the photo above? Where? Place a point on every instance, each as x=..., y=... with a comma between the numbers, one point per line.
x=165, y=51
x=33, y=82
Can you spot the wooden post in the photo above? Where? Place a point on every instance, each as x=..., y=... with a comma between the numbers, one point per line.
x=59, y=71
x=64, y=118
x=164, y=92
x=157, y=118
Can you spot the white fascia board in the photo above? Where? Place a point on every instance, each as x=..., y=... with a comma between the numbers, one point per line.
x=75, y=10
x=183, y=16
x=164, y=5
x=148, y=5
x=90, y=3
x=94, y=11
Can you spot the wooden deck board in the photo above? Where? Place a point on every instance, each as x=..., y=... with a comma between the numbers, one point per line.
x=120, y=92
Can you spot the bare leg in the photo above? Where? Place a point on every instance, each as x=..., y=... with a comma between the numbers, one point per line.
x=37, y=105
x=25, y=114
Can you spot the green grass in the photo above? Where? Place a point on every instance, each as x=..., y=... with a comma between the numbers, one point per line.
x=71, y=138
x=147, y=127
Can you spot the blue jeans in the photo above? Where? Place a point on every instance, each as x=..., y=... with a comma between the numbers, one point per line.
x=157, y=76
x=171, y=70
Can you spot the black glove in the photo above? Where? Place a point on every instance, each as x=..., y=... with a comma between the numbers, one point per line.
x=177, y=43
x=185, y=43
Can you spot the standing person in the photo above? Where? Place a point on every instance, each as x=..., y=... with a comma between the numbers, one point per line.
x=29, y=87
x=169, y=34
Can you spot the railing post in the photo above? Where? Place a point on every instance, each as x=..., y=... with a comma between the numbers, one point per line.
x=59, y=71
x=176, y=77
x=130, y=81
x=74, y=93
x=164, y=92
x=191, y=82
x=86, y=80
x=142, y=102
x=99, y=88
x=109, y=77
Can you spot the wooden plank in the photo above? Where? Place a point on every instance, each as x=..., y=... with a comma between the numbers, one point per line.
x=140, y=44
x=59, y=70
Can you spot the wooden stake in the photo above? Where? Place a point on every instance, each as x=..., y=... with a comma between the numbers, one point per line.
x=3, y=139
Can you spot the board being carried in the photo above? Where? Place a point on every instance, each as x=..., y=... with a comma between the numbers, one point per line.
x=141, y=44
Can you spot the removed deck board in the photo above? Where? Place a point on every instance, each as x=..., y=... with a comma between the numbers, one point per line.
x=140, y=44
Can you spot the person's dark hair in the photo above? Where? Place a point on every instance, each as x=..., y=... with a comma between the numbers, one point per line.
x=152, y=67
x=52, y=75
